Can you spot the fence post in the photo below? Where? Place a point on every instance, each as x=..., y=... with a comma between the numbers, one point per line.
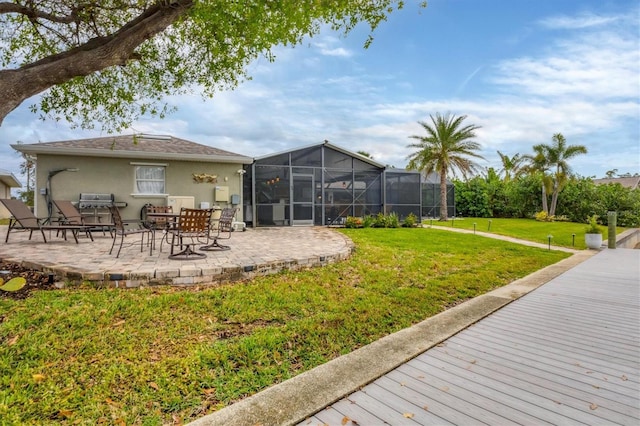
x=611, y=220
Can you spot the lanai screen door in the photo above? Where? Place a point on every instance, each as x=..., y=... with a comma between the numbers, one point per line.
x=302, y=199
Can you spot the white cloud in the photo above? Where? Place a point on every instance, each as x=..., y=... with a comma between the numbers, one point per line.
x=584, y=84
x=332, y=46
x=586, y=20
x=340, y=51
x=595, y=66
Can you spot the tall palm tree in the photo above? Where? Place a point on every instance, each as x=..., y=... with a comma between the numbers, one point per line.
x=559, y=154
x=552, y=162
x=445, y=148
x=538, y=163
x=511, y=166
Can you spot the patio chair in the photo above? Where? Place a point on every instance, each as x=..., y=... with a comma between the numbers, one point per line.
x=71, y=216
x=122, y=229
x=23, y=219
x=192, y=229
x=156, y=222
x=151, y=219
x=222, y=231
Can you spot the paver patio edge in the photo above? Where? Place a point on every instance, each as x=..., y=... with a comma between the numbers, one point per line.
x=301, y=396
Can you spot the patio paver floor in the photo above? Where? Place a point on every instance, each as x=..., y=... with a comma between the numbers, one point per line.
x=254, y=252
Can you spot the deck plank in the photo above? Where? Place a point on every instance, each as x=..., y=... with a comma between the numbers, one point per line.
x=396, y=399
x=562, y=362
x=353, y=411
x=509, y=394
x=455, y=405
x=567, y=353
x=518, y=360
x=381, y=410
x=558, y=392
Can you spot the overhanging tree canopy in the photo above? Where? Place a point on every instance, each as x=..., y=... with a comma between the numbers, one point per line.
x=112, y=60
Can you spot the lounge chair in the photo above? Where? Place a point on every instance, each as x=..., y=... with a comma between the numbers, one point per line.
x=122, y=229
x=193, y=228
x=222, y=231
x=23, y=219
x=71, y=216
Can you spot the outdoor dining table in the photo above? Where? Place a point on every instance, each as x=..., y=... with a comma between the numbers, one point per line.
x=171, y=222
x=171, y=217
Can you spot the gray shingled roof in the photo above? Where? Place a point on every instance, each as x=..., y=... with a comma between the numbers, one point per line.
x=130, y=146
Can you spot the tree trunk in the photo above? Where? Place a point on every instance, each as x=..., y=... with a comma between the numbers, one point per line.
x=554, y=200
x=443, y=195
x=17, y=85
x=545, y=207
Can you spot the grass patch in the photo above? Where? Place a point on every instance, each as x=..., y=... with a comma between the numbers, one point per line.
x=161, y=355
x=565, y=234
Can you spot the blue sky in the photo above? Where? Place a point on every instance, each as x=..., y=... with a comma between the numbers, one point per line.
x=522, y=70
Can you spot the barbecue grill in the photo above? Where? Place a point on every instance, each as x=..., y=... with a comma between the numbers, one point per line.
x=97, y=205
x=95, y=201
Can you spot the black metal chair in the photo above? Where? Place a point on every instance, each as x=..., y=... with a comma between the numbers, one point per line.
x=192, y=229
x=222, y=231
x=124, y=229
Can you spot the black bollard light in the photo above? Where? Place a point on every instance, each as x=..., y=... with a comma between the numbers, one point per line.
x=573, y=240
x=474, y=228
x=549, y=237
x=489, y=227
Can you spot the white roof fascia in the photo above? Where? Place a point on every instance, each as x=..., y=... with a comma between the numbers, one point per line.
x=86, y=152
x=9, y=179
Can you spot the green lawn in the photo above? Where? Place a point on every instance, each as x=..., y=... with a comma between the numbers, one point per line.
x=163, y=355
x=564, y=234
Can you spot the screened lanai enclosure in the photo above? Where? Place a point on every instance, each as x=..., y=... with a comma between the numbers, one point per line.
x=431, y=197
x=322, y=185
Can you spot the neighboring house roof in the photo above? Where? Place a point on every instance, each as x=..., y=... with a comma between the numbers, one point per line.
x=136, y=146
x=632, y=182
x=9, y=179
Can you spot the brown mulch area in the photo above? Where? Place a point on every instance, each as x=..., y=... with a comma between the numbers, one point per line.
x=36, y=280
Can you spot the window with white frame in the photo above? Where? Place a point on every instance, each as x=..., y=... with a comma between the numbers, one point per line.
x=150, y=179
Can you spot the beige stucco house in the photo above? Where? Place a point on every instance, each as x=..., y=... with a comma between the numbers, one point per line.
x=7, y=181
x=137, y=170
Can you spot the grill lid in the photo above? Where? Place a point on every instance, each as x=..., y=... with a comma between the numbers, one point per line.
x=88, y=199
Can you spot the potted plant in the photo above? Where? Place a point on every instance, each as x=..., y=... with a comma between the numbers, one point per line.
x=593, y=233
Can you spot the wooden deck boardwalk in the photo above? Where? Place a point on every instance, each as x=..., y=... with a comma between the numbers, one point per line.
x=567, y=353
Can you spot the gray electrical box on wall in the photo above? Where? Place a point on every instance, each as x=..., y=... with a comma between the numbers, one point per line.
x=222, y=194
x=235, y=199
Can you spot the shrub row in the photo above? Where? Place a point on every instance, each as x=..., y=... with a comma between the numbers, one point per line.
x=381, y=221
x=521, y=198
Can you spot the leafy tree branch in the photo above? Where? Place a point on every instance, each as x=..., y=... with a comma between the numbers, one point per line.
x=114, y=60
